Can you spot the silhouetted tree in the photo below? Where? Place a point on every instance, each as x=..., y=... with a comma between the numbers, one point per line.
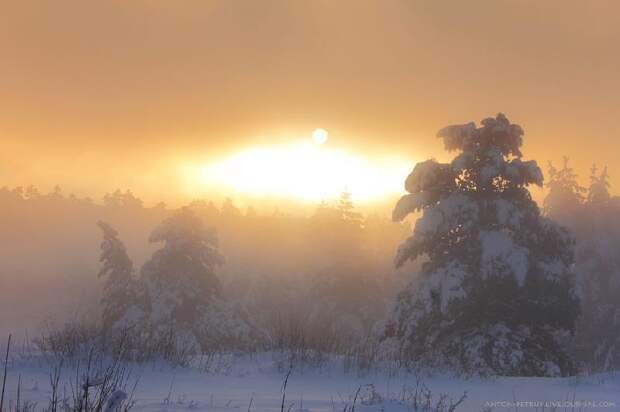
x=598, y=192
x=347, y=210
x=32, y=193
x=565, y=195
x=119, y=199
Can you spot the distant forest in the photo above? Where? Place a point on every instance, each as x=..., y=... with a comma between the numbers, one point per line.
x=50, y=247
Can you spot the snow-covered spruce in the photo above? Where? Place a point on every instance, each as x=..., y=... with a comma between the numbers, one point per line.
x=495, y=294
x=120, y=307
x=184, y=299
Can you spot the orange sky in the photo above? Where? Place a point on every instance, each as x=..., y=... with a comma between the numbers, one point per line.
x=99, y=95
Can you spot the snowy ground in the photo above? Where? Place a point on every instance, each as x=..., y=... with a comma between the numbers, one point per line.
x=258, y=381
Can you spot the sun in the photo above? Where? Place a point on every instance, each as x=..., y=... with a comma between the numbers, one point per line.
x=320, y=136
x=304, y=170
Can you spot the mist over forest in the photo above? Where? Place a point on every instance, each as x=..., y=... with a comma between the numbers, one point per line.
x=468, y=276
x=50, y=248
x=332, y=275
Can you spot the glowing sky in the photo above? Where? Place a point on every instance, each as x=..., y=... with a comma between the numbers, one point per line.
x=306, y=169
x=133, y=94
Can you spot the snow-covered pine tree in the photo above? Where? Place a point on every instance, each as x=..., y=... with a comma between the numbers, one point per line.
x=184, y=294
x=119, y=291
x=495, y=294
x=180, y=277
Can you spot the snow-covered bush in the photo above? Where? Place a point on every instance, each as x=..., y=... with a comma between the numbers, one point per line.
x=71, y=340
x=495, y=294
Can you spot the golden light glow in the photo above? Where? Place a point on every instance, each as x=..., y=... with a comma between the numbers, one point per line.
x=305, y=171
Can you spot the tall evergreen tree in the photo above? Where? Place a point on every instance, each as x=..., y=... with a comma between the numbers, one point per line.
x=119, y=292
x=598, y=192
x=346, y=209
x=565, y=196
x=180, y=277
x=495, y=294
